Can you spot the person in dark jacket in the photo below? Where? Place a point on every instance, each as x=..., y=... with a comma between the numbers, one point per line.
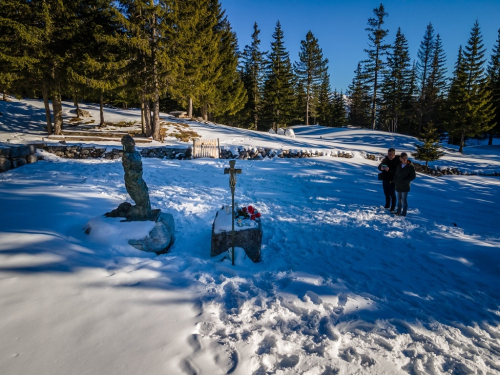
x=388, y=168
x=404, y=175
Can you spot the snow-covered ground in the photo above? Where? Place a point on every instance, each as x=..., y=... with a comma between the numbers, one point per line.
x=343, y=287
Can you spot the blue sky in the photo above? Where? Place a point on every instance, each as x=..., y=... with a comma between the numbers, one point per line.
x=340, y=26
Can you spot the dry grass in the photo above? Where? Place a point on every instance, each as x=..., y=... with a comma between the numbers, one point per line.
x=180, y=131
x=75, y=119
x=120, y=123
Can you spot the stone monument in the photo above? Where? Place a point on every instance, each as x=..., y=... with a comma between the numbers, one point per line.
x=161, y=237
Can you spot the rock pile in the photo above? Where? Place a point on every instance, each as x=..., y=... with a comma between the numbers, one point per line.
x=167, y=152
x=75, y=151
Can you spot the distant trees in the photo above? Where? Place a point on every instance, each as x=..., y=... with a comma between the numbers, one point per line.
x=279, y=96
x=470, y=109
x=494, y=87
x=374, y=65
x=310, y=70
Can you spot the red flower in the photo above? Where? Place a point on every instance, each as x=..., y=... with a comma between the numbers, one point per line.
x=252, y=217
x=250, y=210
x=257, y=214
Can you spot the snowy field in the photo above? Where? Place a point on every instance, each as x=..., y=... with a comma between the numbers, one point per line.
x=343, y=287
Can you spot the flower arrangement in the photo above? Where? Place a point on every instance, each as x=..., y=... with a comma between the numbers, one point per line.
x=247, y=213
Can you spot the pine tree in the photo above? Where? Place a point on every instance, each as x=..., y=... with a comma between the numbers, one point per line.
x=359, y=100
x=494, y=85
x=339, y=112
x=396, y=83
x=310, y=69
x=252, y=73
x=430, y=150
x=374, y=65
x=470, y=107
x=279, y=98
x=324, y=101
x=425, y=56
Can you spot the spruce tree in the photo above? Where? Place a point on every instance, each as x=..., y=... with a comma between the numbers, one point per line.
x=470, y=107
x=430, y=149
x=279, y=98
x=425, y=56
x=325, y=105
x=374, y=65
x=437, y=83
x=396, y=83
x=339, y=113
x=494, y=85
x=309, y=70
x=359, y=100
x=253, y=78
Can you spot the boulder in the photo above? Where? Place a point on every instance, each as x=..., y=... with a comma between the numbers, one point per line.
x=5, y=164
x=289, y=133
x=160, y=238
x=281, y=131
x=4, y=151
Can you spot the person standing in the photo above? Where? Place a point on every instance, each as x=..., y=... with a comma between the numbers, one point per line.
x=404, y=175
x=388, y=169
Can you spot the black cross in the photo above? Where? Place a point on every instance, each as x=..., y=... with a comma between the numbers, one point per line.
x=232, y=184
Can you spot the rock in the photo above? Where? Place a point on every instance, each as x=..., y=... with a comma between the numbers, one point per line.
x=21, y=162
x=281, y=131
x=4, y=151
x=249, y=239
x=271, y=131
x=289, y=133
x=81, y=112
x=5, y=164
x=160, y=238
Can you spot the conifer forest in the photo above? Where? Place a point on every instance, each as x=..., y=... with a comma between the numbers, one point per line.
x=169, y=55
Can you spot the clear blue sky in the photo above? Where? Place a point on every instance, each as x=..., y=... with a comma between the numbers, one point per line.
x=340, y=26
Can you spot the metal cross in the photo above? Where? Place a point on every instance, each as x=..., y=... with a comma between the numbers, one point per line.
x=232, y=184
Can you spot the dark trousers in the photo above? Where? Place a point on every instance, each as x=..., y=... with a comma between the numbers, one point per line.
x=390, y=194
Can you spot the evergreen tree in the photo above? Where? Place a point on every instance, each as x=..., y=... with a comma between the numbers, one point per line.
x=309, y=70
x=433, y=100
x=494, y=85
x=324, y=108
x=374, y=65
x=396, y=85
x=279, y=98
x=339, y=112
x=359, y=100
x=470, y=108
x=425, y=56
x=252, y=73
x=430, y=150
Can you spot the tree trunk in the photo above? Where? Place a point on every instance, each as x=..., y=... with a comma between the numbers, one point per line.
x=307, y=108
x=156, y=117
x=204, y=112
x=462, y=138
x=490, y=140
x=143, y=121
x=75, y=101
x=101, y=109
x=45, y=96
x=190, y=108
x=4, y=96
x=57, y=109
x=147, y=118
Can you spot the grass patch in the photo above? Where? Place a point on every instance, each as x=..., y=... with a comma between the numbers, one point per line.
x=75, y=119
x=180, y=131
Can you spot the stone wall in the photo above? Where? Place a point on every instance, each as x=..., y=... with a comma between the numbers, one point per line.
x=14, y=155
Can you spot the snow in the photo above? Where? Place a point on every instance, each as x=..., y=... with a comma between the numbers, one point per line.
x=343, y=286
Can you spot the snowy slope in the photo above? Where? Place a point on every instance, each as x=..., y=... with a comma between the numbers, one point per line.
x=343, y=287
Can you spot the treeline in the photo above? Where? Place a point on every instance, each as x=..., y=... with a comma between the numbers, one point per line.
x=133, y=52
x=171, y=55
x=390, y=92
